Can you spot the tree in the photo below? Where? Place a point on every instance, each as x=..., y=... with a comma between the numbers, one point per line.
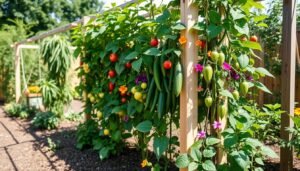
x=46, y=14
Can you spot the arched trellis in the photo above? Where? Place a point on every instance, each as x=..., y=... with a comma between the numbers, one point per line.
x=188, y=99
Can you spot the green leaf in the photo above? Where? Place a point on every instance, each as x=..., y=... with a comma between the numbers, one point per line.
x=116, y=136
x=193, y=166
x=103, y=153
x=179, y=26
x=243, y=61
x=230, y=140
x=131, y=56
x=212, y=141
x=241, y=159
x=197, y=144
x=236, y=14
x=152, y=52
x=160, y=145
x=199, y=26
x=214, y=16
x=144, y=126
x=213, y=31
x=119, y=68
x=259, y=18
x=196, y=154
x=226, y=93
x=253, y=142
x=116, y=109
x=208, y=153
x=263, y=71
x=251, y=45
x=241, y=26
x=182, y=161
x=136, y=65
x=208, y=165
x=259, y=161
x=262, y=87
x=268, y=152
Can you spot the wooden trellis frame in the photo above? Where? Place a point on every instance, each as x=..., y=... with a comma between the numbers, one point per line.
x=188, y=98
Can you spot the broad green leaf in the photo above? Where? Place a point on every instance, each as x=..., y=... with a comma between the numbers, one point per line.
x=268, y=152
x=197, y=144
x=263, y=71
x=226, y=93
x=243, y=61
x=116, y=109
x=196, y=154
x=136, y=65
x=160, y=145
x=214, y=16
x=241, y=159
x=253, y=142
x=103, y=153
x=213, y=31
x=208, y=153
x=260, y=18
x=131, y=56
x=193, y=166
x=199, y=26
x=262, y=87
x=241, y=26
x=144, y=126
x=116, y=136
x=119, y=68
x=259, y=161
x=236, y=14
x=211, y=141
x=251, y=45
x=182, y=161
x=208, y=165
x=230, y=140
x=152, y=52
x=179, y=26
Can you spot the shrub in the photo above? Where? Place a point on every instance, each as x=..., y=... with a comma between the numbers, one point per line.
x=45, y=120
x=86, y=133
x=19, y=110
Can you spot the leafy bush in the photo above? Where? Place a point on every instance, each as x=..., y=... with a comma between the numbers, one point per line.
x=73, y=116
x=295, y=140
x=19, y=110
x=45, y=120
x=86, y=132
x=266, y=124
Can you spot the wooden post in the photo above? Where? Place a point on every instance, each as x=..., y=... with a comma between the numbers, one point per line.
x=189, y=95
x=288, y=79
x=17, y=73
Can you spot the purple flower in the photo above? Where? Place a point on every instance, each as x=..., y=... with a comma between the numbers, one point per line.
x=125, y=118
x=198, y=67
x=217, y=125
x=141, y=78
x=226, y=66
x=234, y=75
x=201, y=135
x=249, y=77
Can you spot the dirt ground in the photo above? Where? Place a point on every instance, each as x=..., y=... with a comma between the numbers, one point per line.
x=25, y=148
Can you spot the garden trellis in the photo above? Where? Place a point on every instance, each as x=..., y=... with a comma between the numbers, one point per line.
x=188, y=98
